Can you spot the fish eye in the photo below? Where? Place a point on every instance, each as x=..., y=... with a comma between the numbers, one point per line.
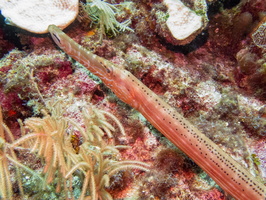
x=108, y=70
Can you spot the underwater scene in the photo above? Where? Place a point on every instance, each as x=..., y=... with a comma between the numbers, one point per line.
x=133, y=100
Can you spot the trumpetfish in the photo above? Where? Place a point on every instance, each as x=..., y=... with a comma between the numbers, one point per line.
x=221, y=167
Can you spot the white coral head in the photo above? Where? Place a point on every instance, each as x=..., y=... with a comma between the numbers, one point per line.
x=36, y=15
x=183, y=22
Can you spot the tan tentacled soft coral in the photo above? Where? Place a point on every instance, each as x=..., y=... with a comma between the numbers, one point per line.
x=36, y=16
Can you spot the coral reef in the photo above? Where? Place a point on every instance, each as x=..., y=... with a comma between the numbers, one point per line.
x=218, y=84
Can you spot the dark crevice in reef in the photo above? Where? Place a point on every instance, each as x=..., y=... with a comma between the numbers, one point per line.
x=9, y=34
x=214, y=8
x=228, y=4
x=200, y=40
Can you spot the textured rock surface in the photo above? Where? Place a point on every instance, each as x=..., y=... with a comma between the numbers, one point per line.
x=36, y=16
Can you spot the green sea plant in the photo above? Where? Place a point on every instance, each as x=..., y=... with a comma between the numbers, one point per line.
x=103, y=14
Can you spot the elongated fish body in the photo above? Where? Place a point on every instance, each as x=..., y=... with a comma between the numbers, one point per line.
x=224, y=170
